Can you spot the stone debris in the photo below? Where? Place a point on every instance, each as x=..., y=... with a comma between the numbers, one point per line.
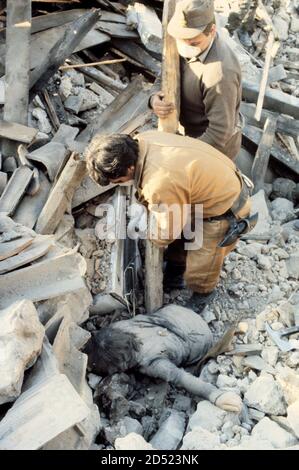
x=56, y=283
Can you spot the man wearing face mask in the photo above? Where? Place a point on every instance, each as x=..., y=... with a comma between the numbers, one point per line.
x=210, y=79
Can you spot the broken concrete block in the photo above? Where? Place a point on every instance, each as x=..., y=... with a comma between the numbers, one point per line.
x=293, y=417
x=264, y=219
x=59, y=407
x=170, y=433
x=21, y=338
x=89, y=100
x=292, y=265
x=149, y=27
x=281, y=209
x=42, y=120
x=279, y=438
x=87, y=240
x=200, y=439
x=210, y=417
x=132, y=441
x=105, y=98
x=257, y=363
x=65, y=87
x=266, y=395
x=52, y=156
x=73, y=103
x=281, y=22
x=44, y=280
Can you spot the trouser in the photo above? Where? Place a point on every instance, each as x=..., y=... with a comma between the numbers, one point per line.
x=203, y=266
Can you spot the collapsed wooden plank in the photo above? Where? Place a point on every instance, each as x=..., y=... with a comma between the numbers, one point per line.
x=41, y=413
x=30, y=207
x=171, y=90
x=14, y=247
x=274, y=100
x=17, y=132
x=128, y=104
x=261, y=160
x=61, y=196
x=63, y=48
x=38, y=247
x=118, y=30
x=44, y=280
x=88, y=190
x=253, y=134
x=58, y=18
x=285, y=124
x=17, y=71
x=15, y=189
x=138, y=54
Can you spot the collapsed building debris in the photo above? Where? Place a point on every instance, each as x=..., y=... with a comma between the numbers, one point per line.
x=87, y=69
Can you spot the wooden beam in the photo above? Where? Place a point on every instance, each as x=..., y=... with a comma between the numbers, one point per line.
x=17, y=65
x=61, y=196
x=170, y=72
x=15, y=189
x=261, y=160
x=62, y=49
x=171, y=90
x=17, y=132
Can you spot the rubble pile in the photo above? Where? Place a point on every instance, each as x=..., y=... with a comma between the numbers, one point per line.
x=59, y=281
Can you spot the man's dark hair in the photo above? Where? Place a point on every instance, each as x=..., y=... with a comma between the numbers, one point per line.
x=110, y=156
x=109, y=349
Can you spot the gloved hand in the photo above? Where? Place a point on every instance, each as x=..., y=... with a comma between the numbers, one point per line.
x=229, y=401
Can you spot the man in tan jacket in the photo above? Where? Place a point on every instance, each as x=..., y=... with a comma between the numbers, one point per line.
x=210, y=79
x=171, y=170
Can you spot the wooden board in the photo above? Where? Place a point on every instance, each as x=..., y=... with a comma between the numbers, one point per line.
x=17, y=132
x=17, y=71
x=15, y=189
x=116, y=30
x=138, y=54
x=261, y=159
x=38, y=247
x=8, y=249
x=61, y=196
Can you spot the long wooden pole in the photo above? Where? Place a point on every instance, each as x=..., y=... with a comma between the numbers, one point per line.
x=171, y=90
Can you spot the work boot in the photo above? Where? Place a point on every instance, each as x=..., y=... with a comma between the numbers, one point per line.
x=198, y=302
x=174, y=276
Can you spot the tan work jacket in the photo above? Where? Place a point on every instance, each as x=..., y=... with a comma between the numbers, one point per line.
x=173, y=169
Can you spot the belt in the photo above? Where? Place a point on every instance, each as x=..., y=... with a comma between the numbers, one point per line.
x=245, y=193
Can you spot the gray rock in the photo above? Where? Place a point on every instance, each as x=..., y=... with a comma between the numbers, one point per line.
x=279, y=438
x=293, y=359
x=132, y=441
x=281, y=22
x=200, y=439
x=289, y=383
x=281, y=208
x=73, y=103
x=292, y=265
x=171, y=432
x=65, y=87
x=275, y=295
x=257, y=363
x=182, y=403
x=270, y=355
x=295, y=24
x=264, y=262
x=226, y=382
x=251, y=250
x=77, y=78
x=266, y=395
x=89, y=100
x=21, y=339
x=293, y=417
x=255, y=415
x=264, y=219
x=207, y=416
x=42, y=120
x=94, y=380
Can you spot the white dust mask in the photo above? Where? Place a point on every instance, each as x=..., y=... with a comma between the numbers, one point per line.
x=187, y=51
